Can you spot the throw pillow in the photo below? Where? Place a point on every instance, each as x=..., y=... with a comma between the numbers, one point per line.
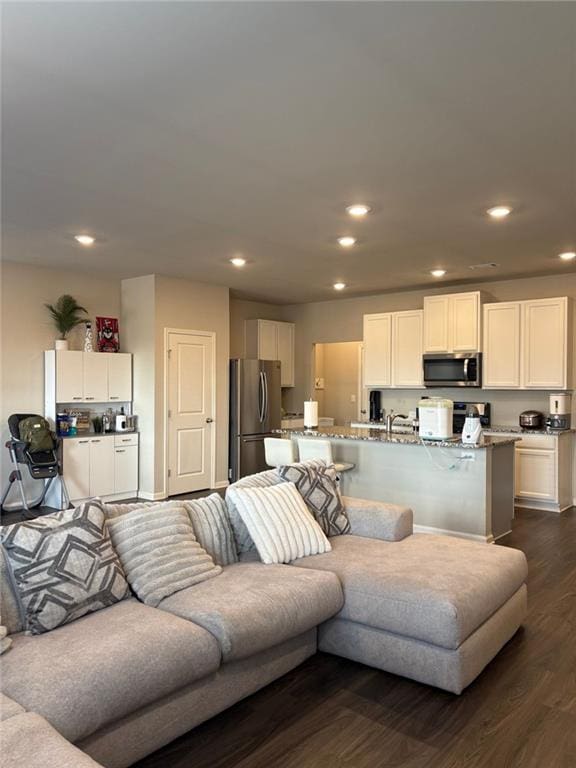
x=317, y=483
x=159, y=552
x=242, y=538
x=279, y=523
x=5, y=642
x=212, y=527
x=63, y=566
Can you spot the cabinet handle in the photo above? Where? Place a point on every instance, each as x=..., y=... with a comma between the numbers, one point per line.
x=96, y=441
x=120, y=450
x=114, y=397
x=76, y=398
x=126, y=439
x=89, y=398
x=81, y=442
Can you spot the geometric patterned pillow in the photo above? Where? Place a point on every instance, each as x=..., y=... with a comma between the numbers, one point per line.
x=63, y=566
x=317, y=483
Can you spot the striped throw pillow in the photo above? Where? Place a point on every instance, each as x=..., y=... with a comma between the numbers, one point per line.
x=264, y=479
x=279, y=523
x=159, y=552
x=212, y=527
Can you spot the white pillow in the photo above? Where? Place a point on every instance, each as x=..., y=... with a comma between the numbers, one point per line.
x=279, y=522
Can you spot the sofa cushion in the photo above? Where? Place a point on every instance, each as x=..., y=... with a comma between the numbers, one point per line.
x=438, y=589
x=159, y=552
x=279, y=523
x=63, y=566
x=9, y=707
x=252, y=606
x=242, y=538
x=104, y=666
x=28, y=741
x=11, y=617
x=317, y=483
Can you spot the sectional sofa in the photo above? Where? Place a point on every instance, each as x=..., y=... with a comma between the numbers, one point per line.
x=120, y=683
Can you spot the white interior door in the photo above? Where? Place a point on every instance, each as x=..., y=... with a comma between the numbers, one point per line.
x=190, y=414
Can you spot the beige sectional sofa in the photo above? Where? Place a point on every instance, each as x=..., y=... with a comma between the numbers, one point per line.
x=124, y=681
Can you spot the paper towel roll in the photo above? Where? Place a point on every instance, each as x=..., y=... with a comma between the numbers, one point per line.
x=310, y=414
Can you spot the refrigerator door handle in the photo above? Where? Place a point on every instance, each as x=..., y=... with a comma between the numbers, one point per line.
x=265, y=396
x=261, y=397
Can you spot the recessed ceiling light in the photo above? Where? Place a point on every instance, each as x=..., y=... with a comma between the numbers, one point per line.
x=499, y=211
x=347, y=241
x=339, y=286
x=358, y=210
x=85, y=239
x=568, y=256
x=438, y=272
x=238, y=261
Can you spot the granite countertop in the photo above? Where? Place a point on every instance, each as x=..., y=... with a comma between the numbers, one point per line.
x=380, y=436
x=516, y=430
x=125, y=432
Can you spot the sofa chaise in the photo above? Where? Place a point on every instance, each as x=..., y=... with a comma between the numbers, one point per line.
x=124, y=681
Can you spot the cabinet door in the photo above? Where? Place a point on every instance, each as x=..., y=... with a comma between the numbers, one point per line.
x=407, y=349
x=101, y=466
x=436, y=324
x=465, y=322
x=377, y=350
x=95, y=377
x=76, y=467
x=267, y=340
x=285, y=333
x=501, y=346
x=536, y=474
x=545, y=343
x=119, y=376
x=126, y=469
x=69, y=377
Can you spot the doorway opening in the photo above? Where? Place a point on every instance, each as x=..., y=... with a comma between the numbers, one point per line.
x=337, y=381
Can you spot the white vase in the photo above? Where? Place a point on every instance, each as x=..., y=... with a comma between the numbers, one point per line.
x=61, y=345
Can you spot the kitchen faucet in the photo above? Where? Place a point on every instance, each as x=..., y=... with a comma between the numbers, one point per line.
x=390, y=420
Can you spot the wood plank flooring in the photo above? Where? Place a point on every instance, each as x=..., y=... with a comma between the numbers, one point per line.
x=333, y=713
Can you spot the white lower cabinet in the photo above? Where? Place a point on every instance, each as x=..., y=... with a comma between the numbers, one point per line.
x=100, y=465
x=535, y=474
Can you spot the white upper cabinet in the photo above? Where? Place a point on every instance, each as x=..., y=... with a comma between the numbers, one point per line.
x=272, y=340
x=407, y=348
x=393, y=349
x=528, y=344
x=119, y=376
x=87, y=377
x=501, y=363
x=452, y=323
x=545, y=343
x=69, y=375
x=378, y=350
x=95, y=376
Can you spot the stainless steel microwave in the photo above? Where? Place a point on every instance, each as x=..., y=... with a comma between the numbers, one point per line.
x=457, y=370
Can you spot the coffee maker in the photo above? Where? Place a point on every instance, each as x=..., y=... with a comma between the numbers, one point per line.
x=375, y=405
x=559, y=417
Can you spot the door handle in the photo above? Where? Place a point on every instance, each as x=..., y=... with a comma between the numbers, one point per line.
x=209, y=420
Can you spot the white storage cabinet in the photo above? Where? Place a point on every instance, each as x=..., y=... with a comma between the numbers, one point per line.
x=452, y=323
x=88, y=377
x=272, y=340
x=101, y=465
x=393, y=349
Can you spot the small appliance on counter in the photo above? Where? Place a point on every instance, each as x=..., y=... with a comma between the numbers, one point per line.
x=375, y=405
x=472, y=431
x=559, y=417
x=461, y=412
x=435, y=418
x=124, y=422
x=531, y=420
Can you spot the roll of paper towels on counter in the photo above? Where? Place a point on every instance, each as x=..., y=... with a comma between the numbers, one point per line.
x=310, y=414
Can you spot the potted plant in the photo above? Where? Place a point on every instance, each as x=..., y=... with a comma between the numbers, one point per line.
x=66, y=316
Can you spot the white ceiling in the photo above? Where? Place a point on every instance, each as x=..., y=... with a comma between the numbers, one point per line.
x=183, y=133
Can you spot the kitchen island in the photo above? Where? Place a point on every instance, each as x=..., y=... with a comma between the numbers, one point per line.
x=452, y=488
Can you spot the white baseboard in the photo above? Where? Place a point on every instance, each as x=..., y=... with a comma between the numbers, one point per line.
x=458, y=534
x=151, y=496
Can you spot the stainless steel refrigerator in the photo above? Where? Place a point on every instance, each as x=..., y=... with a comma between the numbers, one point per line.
x=255, y=410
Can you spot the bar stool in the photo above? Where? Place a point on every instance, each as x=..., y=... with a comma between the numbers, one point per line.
x=279, y=451
x=311, y=448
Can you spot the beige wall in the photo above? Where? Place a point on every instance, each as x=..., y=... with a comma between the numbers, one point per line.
x=241, y=310
x=27, y=330
x=340, y=370
x=341, y=320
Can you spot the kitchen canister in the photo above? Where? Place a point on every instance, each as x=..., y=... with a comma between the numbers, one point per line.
x=310, y=414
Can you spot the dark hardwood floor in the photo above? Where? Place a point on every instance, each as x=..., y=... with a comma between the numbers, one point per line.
x=333, y=713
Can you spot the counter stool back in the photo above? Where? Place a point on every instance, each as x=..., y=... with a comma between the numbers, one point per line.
x=313, y=448
x=279, y=451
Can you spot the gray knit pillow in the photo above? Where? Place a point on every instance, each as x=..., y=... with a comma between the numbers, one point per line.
x=159, y=552
x=212, y=527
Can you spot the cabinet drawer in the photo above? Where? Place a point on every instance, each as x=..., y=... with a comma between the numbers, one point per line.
x=540, y=442
x=125, y=438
